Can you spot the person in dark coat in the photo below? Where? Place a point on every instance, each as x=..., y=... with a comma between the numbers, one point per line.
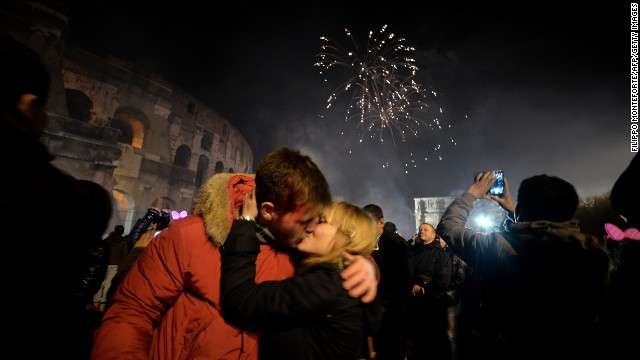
x=623, y=243
x=309, y=316
x=430, y=279
x=393, y=261
x=55, y=219
x=542, y=280
x=392, y=258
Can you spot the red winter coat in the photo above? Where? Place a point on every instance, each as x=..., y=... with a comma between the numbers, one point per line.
x=168, y=305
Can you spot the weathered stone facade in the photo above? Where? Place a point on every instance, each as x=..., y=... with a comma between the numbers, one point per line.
x=146, y=141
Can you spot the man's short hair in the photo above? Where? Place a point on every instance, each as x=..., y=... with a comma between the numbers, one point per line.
x=429, y=224
x=389, y=228
x=288, y=179
x=544, y=197
x=374, y=211
x=23, y=72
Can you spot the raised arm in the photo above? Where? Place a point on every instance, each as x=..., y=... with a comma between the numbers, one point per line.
x=473, y=247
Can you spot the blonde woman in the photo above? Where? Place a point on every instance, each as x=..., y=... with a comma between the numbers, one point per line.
x=309, y=316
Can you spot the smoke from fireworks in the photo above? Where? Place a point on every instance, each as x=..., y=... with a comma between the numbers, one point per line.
x=381, y=93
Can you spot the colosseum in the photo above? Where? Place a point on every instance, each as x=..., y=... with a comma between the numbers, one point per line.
x=145, y=140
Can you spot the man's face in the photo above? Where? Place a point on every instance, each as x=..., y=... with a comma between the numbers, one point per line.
x=380, y=226
x=427, y=234
x=290, y=228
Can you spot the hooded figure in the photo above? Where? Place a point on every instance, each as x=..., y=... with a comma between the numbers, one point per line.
x=168, y=305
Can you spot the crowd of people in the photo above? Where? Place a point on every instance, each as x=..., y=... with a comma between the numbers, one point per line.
x=269, y=266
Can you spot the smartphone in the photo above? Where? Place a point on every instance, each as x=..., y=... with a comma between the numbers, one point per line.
x=497, y=188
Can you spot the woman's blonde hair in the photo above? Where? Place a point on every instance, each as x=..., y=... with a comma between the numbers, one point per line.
x=356, y=233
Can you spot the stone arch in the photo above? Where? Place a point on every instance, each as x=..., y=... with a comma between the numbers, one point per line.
x=79, y=105
x=219, y=167
x=125, y=208
x=183, y=156
x=132, y=124
x=201, y=172
x=206, y=141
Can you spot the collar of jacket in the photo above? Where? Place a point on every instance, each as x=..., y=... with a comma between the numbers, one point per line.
x=568, y=231
x=568, y=227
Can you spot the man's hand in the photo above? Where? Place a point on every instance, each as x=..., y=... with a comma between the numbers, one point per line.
x=417, y=289
x=506, y=201
x=360, y=277
x=482, y=184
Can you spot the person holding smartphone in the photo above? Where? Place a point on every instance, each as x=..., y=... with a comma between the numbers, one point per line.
x=539, y=276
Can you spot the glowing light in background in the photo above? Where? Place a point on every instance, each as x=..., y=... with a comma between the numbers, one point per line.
x=486, y=216
x=175, y=215
x=483, y=221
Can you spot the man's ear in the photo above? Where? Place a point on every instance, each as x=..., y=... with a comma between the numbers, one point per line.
x=25, y=104
x=268, y=211
x=34, y=115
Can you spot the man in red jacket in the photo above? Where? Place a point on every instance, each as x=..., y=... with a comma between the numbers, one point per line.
x=168, y=305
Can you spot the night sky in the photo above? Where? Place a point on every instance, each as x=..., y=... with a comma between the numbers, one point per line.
x=544, y=88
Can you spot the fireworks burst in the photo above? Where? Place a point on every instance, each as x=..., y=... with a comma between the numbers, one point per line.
x=382, y=94
x=375, y=82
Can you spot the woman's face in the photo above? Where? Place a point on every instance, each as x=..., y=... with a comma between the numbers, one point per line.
x=320, y=241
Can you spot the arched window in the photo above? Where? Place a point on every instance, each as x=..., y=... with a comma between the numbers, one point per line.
x=183, y=156
x=207, y=140
x=132, y=124
x=126, y=133
x=78, y=104
x=201, y=172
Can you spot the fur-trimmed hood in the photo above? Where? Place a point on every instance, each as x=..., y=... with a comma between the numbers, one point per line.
x=218, y=200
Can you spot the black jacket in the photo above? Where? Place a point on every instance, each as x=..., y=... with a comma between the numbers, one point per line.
x=431, y=269
x=309, y=316
x=539, y=279
x=48, y=234
x=392, y=259
x=117, y=248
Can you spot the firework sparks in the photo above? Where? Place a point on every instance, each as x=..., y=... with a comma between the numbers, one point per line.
x=375, y=82
x=382, y=94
